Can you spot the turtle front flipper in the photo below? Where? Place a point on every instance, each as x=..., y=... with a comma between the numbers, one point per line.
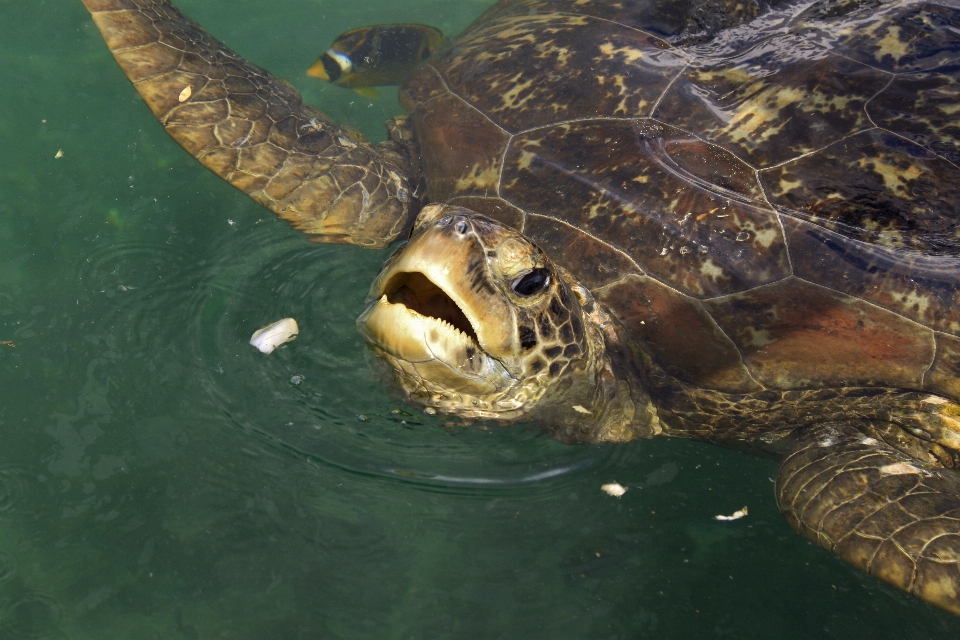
x=877, y=508
x=253, y=130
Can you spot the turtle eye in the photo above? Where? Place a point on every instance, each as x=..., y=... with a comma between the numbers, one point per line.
x=532, y=282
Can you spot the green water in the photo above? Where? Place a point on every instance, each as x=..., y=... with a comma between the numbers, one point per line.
x=159, y=478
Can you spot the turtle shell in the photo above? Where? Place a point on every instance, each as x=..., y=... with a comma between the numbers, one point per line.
x=775, y=206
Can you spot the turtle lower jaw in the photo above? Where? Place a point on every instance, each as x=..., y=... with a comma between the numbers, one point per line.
x=431, y=349
x=402, y=332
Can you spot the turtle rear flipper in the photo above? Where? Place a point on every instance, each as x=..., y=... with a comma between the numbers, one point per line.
x=253, y=130
x=877, y=508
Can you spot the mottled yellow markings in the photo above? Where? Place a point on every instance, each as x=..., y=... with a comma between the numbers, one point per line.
x=598, y=207
x=537, y=142
x=515, y=32
x=526, y=26
x=767, y=237
x=526, y=159
x=510, y=185
x=758, y=337
x=620, y=90
x=869, y=224
x=562, y=55
x=510, y=98
x=787, y=95
x=919, y=302
x=887, y=235
x=629, y=53
x=788, y=185
x=762, y=110
x=711, y=269
x=478, y=176
x=733, y=75
x=892, y=239
x=894, y=179
x=620, y=85
x=642, y=179
x=891, y=45
x=821, y=102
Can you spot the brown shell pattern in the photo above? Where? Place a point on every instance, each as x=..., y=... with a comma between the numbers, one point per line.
x=776, y=207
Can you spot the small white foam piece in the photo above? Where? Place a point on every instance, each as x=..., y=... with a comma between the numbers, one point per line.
x=273, y=335
x=614, y=489
x=736, y=515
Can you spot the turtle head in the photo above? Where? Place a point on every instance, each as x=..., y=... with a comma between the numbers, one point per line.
x=474, y=320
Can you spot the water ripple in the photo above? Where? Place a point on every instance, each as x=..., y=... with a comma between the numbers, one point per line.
x=11, y=489
x=317, y=397
x=7, y=567
x=34, y=616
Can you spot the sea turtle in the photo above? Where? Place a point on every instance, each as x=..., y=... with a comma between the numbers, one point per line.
x=710, y=219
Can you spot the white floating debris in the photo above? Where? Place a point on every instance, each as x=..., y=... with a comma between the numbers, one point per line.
x=59, y=153
x=186, y=93
x=580, y=409
x=736, y=515
x=273, y=335
x=614, y=489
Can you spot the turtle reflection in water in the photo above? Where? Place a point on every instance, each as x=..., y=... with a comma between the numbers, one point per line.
x=713, y=220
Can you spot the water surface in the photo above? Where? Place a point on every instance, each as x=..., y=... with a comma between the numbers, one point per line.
x=159, y=478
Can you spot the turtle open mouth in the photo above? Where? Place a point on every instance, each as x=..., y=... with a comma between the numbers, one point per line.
x=416, y=292
x=434, y=308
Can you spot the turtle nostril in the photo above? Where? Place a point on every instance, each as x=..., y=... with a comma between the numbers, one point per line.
x=461, y=227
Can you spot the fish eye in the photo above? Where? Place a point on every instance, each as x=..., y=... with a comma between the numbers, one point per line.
x=531, y=282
